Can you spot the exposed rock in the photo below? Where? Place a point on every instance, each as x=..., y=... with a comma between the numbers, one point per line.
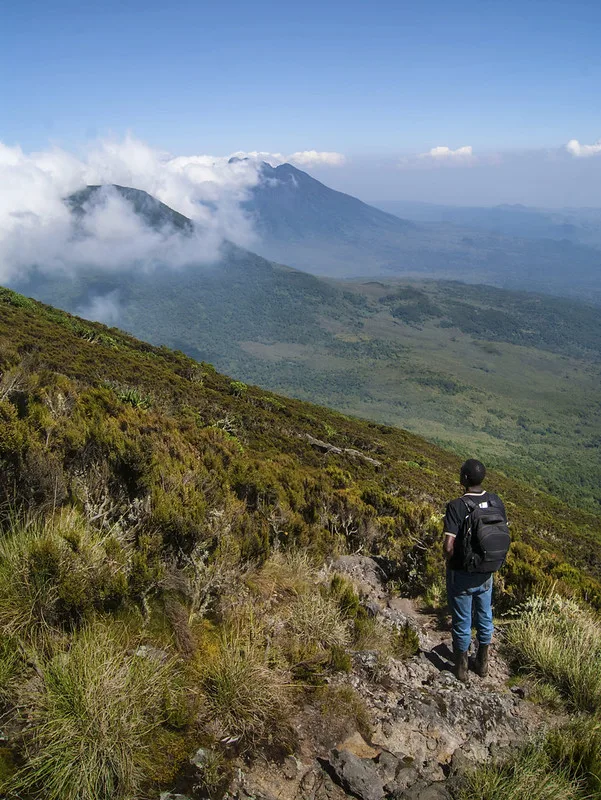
x=326, y=447
x=388, y=766
x=152, y=653
x=367, y=576
x=423, y=791
x=170, y=796
x=290, y=768
x=357, y=776
x=357, y=745
x=200, y=757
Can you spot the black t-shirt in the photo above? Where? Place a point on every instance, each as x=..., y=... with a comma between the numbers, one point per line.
x=454, y=521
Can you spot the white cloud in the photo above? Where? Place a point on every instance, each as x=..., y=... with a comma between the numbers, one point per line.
x=441, y=156
x=583, y=150
x=303, y=158
x=446, y=154
x=102, y=308
x=36, y=228
x=308, y=158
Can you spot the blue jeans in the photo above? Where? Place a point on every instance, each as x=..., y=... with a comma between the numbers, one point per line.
x=470, y=593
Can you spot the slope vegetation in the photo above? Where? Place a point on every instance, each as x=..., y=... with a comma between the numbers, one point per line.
x=512, y=375
x=159, y=550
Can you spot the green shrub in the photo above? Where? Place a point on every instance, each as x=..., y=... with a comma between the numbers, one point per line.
x=95, y=718
x=130, y=395
x=405, y=642
x=238, y=389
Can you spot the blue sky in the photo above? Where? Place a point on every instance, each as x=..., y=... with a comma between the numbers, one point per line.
x=371, y=80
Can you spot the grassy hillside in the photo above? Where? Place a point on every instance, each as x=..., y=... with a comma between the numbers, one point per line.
x=158, y=546
x=76, y=394
x=511, y=375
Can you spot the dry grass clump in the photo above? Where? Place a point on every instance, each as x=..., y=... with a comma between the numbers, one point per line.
x=555, y=640
x=285, y=574
x=314, y=625
x=244, y=694
x=95, y=715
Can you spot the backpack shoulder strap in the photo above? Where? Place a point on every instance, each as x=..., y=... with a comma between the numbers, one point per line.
x=469, y=504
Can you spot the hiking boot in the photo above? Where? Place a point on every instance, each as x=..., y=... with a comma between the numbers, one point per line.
x=461, y=666
x=481, y=662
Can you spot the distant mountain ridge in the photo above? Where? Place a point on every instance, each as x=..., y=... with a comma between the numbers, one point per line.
x=307, y=225
x=578, y=225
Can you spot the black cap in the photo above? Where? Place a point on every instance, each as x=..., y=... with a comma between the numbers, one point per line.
x=473, y=472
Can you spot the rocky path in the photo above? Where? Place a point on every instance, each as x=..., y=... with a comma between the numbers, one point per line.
x=427, y=726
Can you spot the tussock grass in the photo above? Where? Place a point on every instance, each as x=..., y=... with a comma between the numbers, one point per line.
x=557, y=641
x=314, y=627
x=285, y=574
x=53, y=573
x=95, y=715
x=9, y=664
x=531, y=774
x=577, y=747
x=565, y=764
x=315, y=618
x=243, y=692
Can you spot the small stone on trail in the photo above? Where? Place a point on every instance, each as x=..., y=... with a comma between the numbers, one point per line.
x=151, y=653
x=170, y=796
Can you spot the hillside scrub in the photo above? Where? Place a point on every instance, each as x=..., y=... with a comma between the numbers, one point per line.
x=174, y=558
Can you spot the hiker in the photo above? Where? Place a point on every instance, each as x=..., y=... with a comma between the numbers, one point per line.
x=476, y=541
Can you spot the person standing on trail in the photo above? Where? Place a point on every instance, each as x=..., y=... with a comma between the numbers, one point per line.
x=476, y=542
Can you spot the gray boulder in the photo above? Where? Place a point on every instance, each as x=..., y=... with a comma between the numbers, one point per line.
x=357, y=776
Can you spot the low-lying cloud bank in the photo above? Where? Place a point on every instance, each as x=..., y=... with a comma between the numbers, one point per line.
x=37, y=228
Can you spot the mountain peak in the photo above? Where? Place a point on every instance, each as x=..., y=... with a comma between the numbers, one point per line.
x=154, y=213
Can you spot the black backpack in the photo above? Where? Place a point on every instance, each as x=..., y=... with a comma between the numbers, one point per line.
x=486, y=537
